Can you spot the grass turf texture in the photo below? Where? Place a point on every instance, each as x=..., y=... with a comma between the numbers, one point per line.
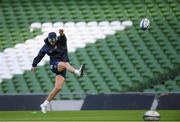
x=85, y=116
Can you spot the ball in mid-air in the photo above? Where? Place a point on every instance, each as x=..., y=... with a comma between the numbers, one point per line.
x=144, y=24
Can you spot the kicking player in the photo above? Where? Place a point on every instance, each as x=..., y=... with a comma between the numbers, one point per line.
x=56, y=48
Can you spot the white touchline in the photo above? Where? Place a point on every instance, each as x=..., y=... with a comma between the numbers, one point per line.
x=19, y=58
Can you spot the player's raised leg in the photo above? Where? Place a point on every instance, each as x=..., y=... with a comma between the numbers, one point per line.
x=58, y=85
x=79, y=72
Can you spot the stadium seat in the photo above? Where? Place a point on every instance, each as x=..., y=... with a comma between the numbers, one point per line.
x=8, y=86
x=32, y=83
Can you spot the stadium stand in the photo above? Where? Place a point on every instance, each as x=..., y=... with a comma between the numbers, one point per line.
x=128, y=61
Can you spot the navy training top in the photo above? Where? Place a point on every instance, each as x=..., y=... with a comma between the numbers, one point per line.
x=58, y=52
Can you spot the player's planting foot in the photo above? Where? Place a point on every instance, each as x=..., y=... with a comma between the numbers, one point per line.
x=43, y=108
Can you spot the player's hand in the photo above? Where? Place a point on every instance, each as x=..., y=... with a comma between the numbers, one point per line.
x=61, y=32
x=33, y=69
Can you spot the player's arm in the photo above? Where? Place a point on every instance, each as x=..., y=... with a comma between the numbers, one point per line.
x=37, y=59
x=62, y=36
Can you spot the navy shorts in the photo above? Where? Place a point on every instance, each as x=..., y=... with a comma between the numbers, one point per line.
x=54, y=69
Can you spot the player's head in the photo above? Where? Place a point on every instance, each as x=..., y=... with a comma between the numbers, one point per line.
x=52, y=38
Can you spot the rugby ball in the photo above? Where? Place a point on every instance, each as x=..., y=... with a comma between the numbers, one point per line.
x=144, y=24
x=151, y=116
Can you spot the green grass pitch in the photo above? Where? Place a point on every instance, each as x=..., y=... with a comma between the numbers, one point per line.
x=85, y=116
